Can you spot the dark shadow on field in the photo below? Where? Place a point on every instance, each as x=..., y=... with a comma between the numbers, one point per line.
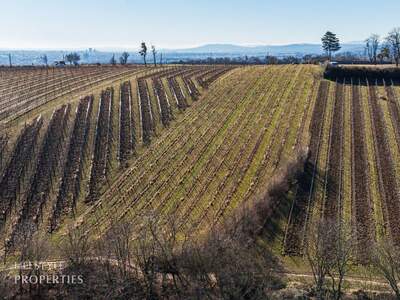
x=370, y=73
x=291, y=199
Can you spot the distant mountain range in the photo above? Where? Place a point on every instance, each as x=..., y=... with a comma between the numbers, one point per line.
x=291, y=49
x=29, y=57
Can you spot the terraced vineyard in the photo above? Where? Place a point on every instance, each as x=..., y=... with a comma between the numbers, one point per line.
x=196, y=143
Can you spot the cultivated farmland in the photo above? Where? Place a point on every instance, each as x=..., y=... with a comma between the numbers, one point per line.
x=59, y=154
x=91, y=146
x=352, y=174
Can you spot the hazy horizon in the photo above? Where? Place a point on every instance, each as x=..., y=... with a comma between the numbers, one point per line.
x=111, y=49
x=178, y=24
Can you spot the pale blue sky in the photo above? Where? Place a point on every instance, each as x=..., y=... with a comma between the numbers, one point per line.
x=187, y=23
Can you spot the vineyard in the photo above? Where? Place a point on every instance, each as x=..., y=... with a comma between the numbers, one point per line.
x=90, y=146
x=57, y=159
x=22, y=90
x=218, y=154
x=352, y=174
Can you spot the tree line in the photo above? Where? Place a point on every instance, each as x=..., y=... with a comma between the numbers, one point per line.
x=376, y=48
x=123, y=60
x=74, y=58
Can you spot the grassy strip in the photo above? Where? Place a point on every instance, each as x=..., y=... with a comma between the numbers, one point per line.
x=347, y=142
x=374, y=182
x=319, y=185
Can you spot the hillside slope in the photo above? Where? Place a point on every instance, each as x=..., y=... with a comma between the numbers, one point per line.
x=220, y=154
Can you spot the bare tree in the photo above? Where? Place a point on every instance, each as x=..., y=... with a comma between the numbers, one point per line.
x=120, y=243
x=153, y=50
x=240, y=271
x=271, y=60
x=171, y=243
x=69, y=58
x=6, y=286
x=44, y=59
x=76, y=248
x=158, y=252
x=143, y=52
x=371, y=47
x=145, y=252
x=384, y=53
x=113, y=61
x=37, y=251
x=330, y=251
x=124, y=58
x=24, y=238
x=343, y=247
x=393, y=41
x=386, y=259
x=319, y=255
x=73, y=58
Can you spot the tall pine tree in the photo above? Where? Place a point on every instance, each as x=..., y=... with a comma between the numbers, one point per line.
x=330, y=43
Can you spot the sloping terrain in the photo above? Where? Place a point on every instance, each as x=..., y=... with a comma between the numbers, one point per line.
x=60, y=155
x=219, y=154
x=194, y=143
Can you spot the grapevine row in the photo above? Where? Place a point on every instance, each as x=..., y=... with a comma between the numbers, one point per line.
x=387, y=168
x=127, y=130
x=11, y=183
x=334, y=172
x=394, y=110
x=177, y=93
x=163, y=101
x=70, y=182
x=102, y=144
x=47, y=169
x=146, y=116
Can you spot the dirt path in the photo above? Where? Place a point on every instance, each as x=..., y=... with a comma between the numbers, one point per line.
x=351, y=279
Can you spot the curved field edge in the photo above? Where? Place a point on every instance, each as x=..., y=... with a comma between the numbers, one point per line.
x=202, y=132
